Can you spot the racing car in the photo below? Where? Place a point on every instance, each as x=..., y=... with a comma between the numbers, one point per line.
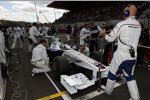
x=64, y=58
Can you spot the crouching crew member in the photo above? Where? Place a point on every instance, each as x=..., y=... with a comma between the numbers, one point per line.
x=83, y=49
x=127, y=32
x=40, y=58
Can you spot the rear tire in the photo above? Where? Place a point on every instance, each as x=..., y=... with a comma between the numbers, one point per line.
x=60, y=66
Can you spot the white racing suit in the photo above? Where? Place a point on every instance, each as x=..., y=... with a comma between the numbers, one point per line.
x=129, y=32
x=33, y=32
x=2, y=48
x=40, y=59
x=84, y=33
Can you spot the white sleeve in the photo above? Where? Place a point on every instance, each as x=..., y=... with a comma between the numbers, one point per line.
x=21, y=31
x=82, y=33
x=2, y=41
x=99, y=28
x=45, y=56
x=114, y=33
x=37, y=32
x=72, y=31
x=7, y=30
x=87, y=51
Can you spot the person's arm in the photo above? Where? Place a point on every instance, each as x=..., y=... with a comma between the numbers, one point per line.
x=45, y=56
x=7, y=31
x=21, y=31
x=37, y=32
x=14, y=31
x=87, y=51
x=72, y=31
x=82, y=34
x=2, y=41
x=113, y=34
x=99, y=28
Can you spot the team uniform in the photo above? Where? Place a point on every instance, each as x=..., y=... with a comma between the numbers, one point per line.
x=2, y=48
x=84, y=33
x=33, y=32
x=45, y=30
x=128, y=33
x=17, y=32
x=40, y=59
x=24, y=32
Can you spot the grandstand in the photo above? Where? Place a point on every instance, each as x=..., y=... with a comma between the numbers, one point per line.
x=98, y=11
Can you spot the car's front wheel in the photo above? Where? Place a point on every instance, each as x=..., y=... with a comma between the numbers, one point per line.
x=60, y=66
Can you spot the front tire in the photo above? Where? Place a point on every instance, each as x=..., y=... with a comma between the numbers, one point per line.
x=60, y=66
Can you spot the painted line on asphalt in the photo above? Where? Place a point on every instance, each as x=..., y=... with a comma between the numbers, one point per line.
x=94, y=93
x=56, y=95
x=65, y=96
x=88, y=96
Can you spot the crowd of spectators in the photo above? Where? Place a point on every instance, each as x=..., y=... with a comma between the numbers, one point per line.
x=99, y=13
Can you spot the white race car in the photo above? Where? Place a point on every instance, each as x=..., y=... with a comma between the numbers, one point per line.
x=63, y=57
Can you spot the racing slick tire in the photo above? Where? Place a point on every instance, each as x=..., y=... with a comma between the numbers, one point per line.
x=60, y=66
x=96, y=56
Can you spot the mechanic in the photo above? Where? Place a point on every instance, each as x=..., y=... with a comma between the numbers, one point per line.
x=83, y=49
x=2, y=45
x=3, y=67
x=40, y=58
x=95, y=32
x=32, y=39
x=17, y=32
x=127, y=32
x=84, y=34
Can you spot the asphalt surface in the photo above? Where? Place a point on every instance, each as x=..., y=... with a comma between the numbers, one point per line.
x=32, y=88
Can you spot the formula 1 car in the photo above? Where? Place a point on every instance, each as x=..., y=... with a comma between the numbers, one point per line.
x=64, y=58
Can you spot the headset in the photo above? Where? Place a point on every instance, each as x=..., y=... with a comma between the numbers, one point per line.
x=126, y=12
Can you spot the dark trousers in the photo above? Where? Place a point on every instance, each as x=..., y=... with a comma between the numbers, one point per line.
x=93, y=43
